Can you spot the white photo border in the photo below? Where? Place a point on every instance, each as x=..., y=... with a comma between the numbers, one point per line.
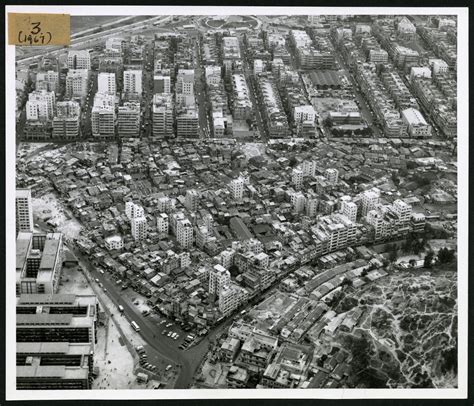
x=12, y=393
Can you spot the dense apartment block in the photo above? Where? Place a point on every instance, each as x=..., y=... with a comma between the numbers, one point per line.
x=56, y=335
x=103, y=116
x=24, y=211
x=39, y=260
x=128, y=118
x=162, y=116
x=66, y=123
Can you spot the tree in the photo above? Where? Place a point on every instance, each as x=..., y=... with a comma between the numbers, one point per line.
x=392, y=252
x=293, y=161
x=445, y=255
x=428, y=262
x=411, y=165
x=328, y=122
x=412, y=263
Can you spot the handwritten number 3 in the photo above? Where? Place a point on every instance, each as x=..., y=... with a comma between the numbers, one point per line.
x=36, y=27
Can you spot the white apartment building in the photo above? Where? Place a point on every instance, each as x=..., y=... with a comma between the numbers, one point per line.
x=438, y=66
x=162, y=115
x=403, y=210
x=191, y=200
x=369, y=199
x=80, y=59
x=184, y=233
x=237, y=188
x=304, y=113
x=337, y=230
x=312, y=207
x=349, y=209
x=66, y=123
x=253, y=245
x=162, y=223
x=129, y=119
x=47, y=81
x=218, y=278
x=378, y=56
x=298, y=201
x=257, y=66
x=416, y=123
x=227, y=257
x=297, y=178
x=165, y=204
x=139, y=228
x=331, y=175
x=309, y=168
x=114, y=242
x=77, y=82
x=24, y=211
x=39, y=260
x=231, y=297
x=132, y=81
x=106, y=83
x=40, y=105
x=103, y=115
x=133, y=210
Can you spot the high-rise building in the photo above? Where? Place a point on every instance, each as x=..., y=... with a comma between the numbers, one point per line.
x=309, y=168
x=139, y=228
x=48, y=81
x=40, y=105
x=218, y=278
x=185, y=87
x=129, y=119
x=331, y=175
x=56, y=336
x=184, y=233
x=80, y=59
x=403, y=210
x=370, y=199
x=24, y=210
x=103, y=116
x=77, y=83
x=38, y=262
x=132, y=82
x=312, y=207
x=106, y=83
x=187, y=122
x=66, y=123
x=162, y=115
x=162, y=223
x=161, y=84
x=349, y=209
x=298, y=201
x=335, y=231
x=165, y=204
x=191, y=201
x=297, y=178
x=237, y=188
x=231, y=297
x=133, y=210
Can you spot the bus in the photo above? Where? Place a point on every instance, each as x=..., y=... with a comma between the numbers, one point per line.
x=135, y=326
x=120, y=308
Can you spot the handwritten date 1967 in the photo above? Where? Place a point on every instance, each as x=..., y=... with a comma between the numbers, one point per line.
x=35, y=36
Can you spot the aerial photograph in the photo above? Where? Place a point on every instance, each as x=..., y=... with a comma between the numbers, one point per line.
x=238, y=201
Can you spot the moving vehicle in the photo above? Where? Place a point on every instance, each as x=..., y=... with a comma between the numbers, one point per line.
x=120, y=307
x=135, y=326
